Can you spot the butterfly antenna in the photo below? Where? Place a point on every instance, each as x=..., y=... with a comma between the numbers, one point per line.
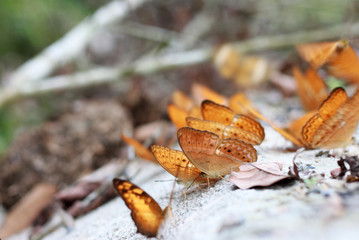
x=193, y=181
x=165, y=180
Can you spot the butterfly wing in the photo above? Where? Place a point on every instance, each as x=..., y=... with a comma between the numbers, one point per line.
x=181, y=100
x=295, y=128
x=337, y=98
x=206, y=125
x=339, y=58
x=317, y=54
x=212, y=155
x=140, y=150
x=195, y=112
x=255, y=131
x=145, y=211
x=177, y=115
x=311, y=89
x=239, y=103
x=226, y=60
x=201, y=92
x=338, y=130
x=225, y=131
x=328, y=121
x=346, y=64
x=216, y=112
x=176, y=163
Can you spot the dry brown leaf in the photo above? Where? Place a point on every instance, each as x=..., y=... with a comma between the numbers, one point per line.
x=24, y=212
x=257, y=174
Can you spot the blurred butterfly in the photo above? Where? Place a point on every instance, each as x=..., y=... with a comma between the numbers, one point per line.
x=181, y=107
x=338, y=58
x=201, y=92
x=213, y=155
x=145, y=211
x=331, y=126
x=311, y=89
x=140, y=150
x=239, y=103
x=245, y=71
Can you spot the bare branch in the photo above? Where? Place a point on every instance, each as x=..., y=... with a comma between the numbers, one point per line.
x=73, y=43
x=150, y=65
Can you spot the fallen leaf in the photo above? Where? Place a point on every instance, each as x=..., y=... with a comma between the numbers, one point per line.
x=91, y=190
x=257, y=174
x=84, y=195
x=24, y=212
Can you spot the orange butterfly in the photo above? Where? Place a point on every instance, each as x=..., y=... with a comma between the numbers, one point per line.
x=239, y=126
x=176, y=163
x=332, y=126
x=177, y=115
x=239, y=103
x=145, y=211
x=181, y=100
x=224, y=131
x=213, y=155
x=181, y=107
x=338, y=57
x=201, y=92
x=140, y=150
x=311, y=89
x=245, y=71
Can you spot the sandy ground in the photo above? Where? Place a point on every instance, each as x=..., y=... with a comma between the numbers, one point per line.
x=320, y=208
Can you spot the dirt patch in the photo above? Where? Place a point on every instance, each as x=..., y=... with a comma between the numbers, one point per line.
x=59, y=152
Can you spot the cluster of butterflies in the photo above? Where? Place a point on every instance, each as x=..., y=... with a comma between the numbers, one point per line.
x=215, y=138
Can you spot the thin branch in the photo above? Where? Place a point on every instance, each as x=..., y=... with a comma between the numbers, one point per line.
x=73, y=43
x=155, y=64
x=147, y=32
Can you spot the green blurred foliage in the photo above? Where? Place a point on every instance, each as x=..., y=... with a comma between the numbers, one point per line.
x=27, y=27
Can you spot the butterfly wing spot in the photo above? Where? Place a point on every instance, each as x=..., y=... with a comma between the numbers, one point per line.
x=145, y=211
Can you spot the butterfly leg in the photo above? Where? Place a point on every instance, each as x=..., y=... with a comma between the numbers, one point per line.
x=184, y=191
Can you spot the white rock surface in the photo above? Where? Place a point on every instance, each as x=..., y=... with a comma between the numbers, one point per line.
x=318, y=209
